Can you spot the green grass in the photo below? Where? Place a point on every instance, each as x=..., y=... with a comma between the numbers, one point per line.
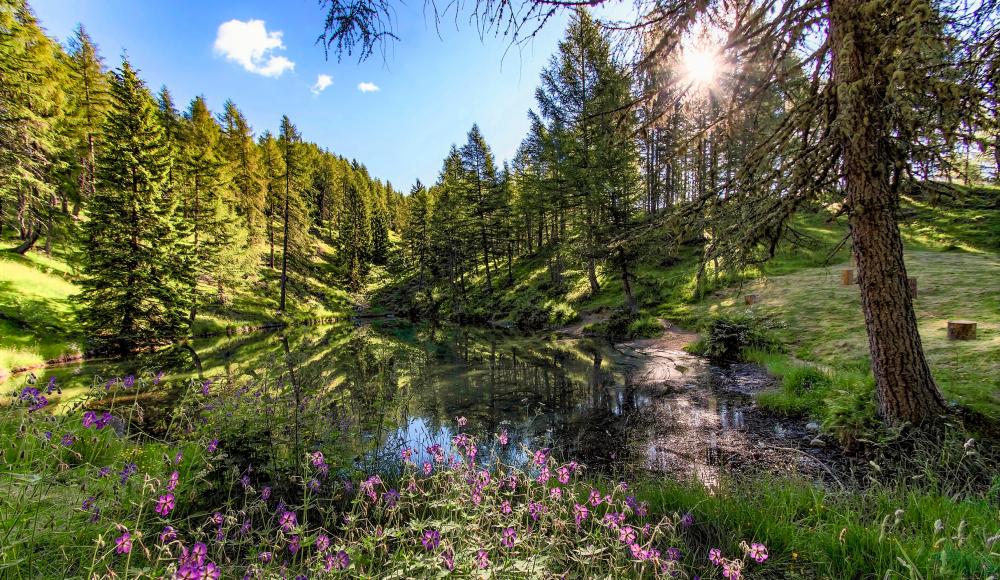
x=37, y=294
x=814, y=532
x=824, y=324
x=36, y=299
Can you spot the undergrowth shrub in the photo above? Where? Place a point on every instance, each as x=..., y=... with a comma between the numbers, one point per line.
x=645, y=326
x=561, y=314
x=727, y=336
x=529, y=315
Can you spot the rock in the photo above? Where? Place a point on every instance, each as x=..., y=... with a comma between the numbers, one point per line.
x=812, y=426
x=817, y=442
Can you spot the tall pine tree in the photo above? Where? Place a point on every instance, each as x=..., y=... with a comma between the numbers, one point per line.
x=137, y=278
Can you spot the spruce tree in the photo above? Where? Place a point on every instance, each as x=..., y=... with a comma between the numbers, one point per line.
x=137, y=277
x=479, y=175
x=380, y=225
x=355, y=231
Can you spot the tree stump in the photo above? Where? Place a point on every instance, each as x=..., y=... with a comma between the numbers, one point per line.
x=961, y=330
x=750, y=299
x=846, y=277
x=913, y=287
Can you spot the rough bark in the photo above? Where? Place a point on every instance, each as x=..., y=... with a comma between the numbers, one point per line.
x=904, y=386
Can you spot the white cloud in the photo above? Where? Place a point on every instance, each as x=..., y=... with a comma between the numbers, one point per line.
x=252, y=46
x=368, y=87
x=322, y=81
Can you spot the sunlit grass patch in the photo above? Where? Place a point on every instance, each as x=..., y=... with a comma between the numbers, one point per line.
x=824, y=322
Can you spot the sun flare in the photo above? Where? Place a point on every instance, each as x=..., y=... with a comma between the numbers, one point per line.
x=701, y=66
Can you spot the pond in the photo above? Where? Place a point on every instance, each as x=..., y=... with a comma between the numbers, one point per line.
x=365, y=393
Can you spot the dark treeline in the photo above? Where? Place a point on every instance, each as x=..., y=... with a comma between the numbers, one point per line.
x=166, y=210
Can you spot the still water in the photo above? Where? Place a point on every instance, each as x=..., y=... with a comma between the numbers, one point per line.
x=367, y=392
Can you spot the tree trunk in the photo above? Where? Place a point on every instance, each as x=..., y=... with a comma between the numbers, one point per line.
x=903, y=382
x=630, y=304
x=284, y=252
x=27, y=244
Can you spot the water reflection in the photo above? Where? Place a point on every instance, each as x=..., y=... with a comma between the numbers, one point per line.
x=370, y=392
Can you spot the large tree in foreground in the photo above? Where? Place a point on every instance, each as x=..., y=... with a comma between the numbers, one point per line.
x=137, y=274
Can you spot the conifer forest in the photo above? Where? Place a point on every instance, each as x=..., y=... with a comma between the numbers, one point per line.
x=532, y=289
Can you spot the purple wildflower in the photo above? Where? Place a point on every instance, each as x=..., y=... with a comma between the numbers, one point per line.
x=509, y=536
x=462, y=421
x=67, y=440
x=165, y=504
x=123, y=543
x=758, y=552
x=504, y=439
x=448, y=559
x=431, y=539
x=322, y=543
x=89, y=419
x=212, y=445
x=168, y=535
x=482, y=559
x=715, y=556
x=294, y=544
x=687, y=520
x=265, y=493
x=287, y=521
x=627, y=535
x=174, y=480
x=580, y=513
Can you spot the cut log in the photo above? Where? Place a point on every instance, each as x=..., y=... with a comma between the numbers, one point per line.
x=846, y=277
x=750, y=299
x=961, y=330
x=913, y=287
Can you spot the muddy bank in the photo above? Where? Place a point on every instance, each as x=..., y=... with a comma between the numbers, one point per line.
x=703, y=420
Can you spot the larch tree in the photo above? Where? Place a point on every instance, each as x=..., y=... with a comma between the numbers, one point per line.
x=355, y=230
x=294, y=221
x=30, y=107
x=203, y=182
x=88, y=91
x=272, y=169
x=243, y=165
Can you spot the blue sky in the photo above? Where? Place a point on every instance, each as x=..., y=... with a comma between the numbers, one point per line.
x=431, y=89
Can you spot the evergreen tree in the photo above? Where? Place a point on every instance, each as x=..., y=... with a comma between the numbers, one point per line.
x=479, y=176
x=355, y=234
x=137, y=278
x=273, y=168
x=88, y=89
x=294, y=218
x=417, y=230
x=30, y=106
x=243, y=165
x=380, y=225
x=203, y=182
